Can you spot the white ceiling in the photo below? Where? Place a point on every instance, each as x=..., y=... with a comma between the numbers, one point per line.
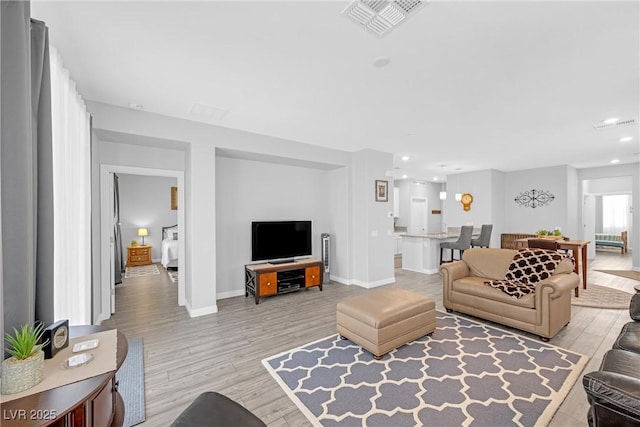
x=477, y=85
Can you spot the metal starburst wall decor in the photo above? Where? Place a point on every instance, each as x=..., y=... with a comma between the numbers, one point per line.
x=534, y=198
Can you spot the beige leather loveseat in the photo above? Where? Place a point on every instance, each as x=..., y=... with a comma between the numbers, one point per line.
x=544, y=312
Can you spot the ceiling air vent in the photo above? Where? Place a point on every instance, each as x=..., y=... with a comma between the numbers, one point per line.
x=381, y=16
x=604, y=125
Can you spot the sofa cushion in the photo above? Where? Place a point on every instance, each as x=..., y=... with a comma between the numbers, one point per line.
x=565, y=266
x=475, y=286
x=629, y=338
x=488, y=263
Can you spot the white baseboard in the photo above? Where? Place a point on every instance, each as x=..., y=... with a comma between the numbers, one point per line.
x=367, y=285
x=201, y=311
x=340, y=280
x=101, y=318
x=371, y=285
x=230, y=294
x=431, y=271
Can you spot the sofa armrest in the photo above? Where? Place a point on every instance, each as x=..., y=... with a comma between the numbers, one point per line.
x=558, y=283
x=451, y=272
x=614, y=390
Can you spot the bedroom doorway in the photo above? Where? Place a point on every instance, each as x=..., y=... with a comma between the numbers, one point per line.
x=107, y=245
x=600, y=215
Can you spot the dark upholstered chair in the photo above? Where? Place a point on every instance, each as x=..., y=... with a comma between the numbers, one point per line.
x=463, y=243
x=212, y=409
x=551, y=245
x=613, y=391
x=485, y=237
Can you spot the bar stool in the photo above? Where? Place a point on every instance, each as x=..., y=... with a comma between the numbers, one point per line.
x=463, y=243
x=485, y=237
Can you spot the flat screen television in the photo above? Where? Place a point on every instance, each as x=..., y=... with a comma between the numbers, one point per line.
x=273, y=240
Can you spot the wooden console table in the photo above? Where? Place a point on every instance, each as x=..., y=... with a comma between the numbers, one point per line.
x=91, y=402
x=272, y=279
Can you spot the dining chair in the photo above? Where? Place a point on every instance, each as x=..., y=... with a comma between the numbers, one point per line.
x=463, y=243
x=551, y=245
x=485, y=237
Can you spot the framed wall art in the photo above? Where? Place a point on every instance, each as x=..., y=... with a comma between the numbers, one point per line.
x=174, y=198
x=382, y=191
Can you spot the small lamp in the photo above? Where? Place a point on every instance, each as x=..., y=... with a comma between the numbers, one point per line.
x=143, y=232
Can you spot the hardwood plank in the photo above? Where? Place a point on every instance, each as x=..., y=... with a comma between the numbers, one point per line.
x=222, y=352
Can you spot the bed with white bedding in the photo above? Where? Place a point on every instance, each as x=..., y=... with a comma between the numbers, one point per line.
x=169, y=246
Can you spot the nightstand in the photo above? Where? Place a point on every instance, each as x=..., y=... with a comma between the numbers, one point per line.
x=138, y=255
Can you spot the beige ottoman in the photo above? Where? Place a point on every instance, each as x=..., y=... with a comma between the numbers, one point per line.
x=385, y=319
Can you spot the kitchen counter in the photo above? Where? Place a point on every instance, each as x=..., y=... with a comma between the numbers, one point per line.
x=421, y=251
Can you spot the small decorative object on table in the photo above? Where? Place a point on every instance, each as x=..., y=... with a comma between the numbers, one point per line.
x=25, y=368
x=555, y=234
x=56, y=337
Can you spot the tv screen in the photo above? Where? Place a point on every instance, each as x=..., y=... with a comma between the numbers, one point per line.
x=271, y=240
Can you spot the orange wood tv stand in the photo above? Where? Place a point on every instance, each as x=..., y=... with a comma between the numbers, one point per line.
x=263, y=280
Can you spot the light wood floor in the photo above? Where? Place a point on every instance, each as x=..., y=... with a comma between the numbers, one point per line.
x=222, y=352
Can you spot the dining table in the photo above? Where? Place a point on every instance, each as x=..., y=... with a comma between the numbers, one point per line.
x=578, y=249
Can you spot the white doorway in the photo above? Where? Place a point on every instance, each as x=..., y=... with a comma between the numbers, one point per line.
x=418, y=215
x=594, y=218
x=107, y=281
x=589, y=223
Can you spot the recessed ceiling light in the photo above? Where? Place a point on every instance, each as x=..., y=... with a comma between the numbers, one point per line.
x=135, y=106
x=435, y=178
x=611, y=120
x=405, y=158
x=381, y=61
x=405, y=176
x=615, y=161
x=626, y=139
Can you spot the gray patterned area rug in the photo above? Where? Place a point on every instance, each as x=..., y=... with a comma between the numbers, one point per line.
x=465, y=374
x=130, y=379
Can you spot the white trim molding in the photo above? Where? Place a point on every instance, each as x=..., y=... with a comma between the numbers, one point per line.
x=106, y=217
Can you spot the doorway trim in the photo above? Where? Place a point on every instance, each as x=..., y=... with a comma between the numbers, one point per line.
x=106, y=226
x=412, y=201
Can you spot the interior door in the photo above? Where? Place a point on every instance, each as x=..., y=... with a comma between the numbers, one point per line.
x=418, y=219
x=589, y=223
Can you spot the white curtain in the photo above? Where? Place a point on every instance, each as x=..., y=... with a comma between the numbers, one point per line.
x=615, y=213
x=71, y=128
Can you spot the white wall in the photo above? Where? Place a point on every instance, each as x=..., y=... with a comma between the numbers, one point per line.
x=114, y=153
x=371, y=221
x=250, y=190
x=614, y=185
x=200, y=290
x=145, y=202
x=338, y=208
x=409, y=188
x=519, y=219
x=479, y=185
